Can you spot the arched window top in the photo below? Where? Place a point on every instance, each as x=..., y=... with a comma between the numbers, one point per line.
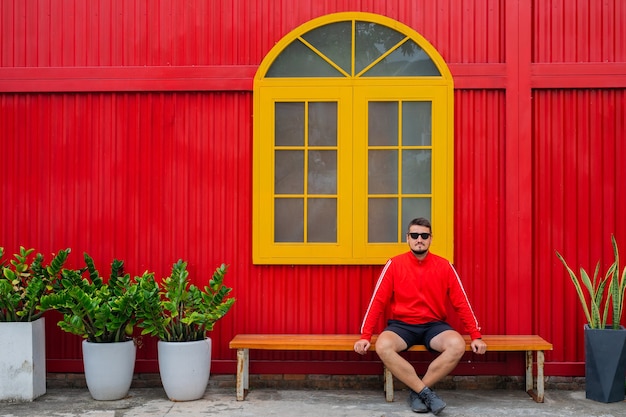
x=353, y=137
x=353, y=45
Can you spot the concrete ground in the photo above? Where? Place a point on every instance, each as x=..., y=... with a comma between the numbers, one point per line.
x=69, y=402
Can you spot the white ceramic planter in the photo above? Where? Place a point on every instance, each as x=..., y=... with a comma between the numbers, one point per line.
x=22, y=360
x=109, y=368
x=185, y=368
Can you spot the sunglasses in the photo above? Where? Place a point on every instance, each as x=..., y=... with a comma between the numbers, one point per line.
x=424, y=236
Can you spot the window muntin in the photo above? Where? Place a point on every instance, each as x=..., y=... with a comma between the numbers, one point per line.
x=305, y=171
x=379, y=51
x=333, y=41
x=399, y=166
x=364, y=147
x=406, y=60
x=299, y=60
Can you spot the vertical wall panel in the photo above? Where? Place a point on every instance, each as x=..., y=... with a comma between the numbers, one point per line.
x=130, y=176
x=579, y=31
x=479, y=217
x=579, y=137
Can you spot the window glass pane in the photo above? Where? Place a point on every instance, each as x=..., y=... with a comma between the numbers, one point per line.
x=416, y=123
x=322, y=175
x=289, y=124
x=335, y=41
x=382, y=220
x=413, y=208
x=322, y=220
x=371, y=41
x=323, y=124
x=409, y=59
x=416, y=171
x=382, y=123
x=289, y=172
x=298, y=60
x=382, y=172
x=289, y=220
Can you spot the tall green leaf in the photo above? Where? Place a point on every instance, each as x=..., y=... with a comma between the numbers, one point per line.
x=596, y=299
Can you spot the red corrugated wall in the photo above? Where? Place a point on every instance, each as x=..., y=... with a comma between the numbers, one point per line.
x=126, y=132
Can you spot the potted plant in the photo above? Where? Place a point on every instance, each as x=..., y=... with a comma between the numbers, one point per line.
x=180, y=314
x=605, y=343
x=103, y=314
x=22, y=327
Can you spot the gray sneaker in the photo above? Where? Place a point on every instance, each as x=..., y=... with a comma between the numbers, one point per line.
x=416, y=403
x=432, y=401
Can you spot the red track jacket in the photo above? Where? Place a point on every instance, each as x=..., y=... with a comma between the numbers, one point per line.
x=418, y=292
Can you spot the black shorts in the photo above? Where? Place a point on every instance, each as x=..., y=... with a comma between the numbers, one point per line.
x=418, y=334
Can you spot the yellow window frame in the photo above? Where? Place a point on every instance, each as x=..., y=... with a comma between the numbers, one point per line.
x=352, y=94
x=441, y=194
x=265, y=247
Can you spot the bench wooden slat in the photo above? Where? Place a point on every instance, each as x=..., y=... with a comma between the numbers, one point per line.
x=334, y=342
x=345, y=342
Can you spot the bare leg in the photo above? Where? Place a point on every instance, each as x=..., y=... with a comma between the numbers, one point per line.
x=452, y=347
x=450, y=343
x=388, y=345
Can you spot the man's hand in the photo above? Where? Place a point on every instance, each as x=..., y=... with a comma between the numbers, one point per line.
x=362, y=346
x=478, y=346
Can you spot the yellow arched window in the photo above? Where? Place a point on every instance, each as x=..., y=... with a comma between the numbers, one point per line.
x=353, y=138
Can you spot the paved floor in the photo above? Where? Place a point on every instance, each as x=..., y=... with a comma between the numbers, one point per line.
x=307, y=403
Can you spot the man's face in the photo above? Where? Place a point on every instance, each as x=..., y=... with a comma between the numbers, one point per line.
x=416, y=241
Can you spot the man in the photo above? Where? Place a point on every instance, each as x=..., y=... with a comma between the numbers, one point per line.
x=418, y=284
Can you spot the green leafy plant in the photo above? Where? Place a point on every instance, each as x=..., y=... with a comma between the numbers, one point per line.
x=177, y=311
x=23, y=283
x=98, y=311
x=599, y=299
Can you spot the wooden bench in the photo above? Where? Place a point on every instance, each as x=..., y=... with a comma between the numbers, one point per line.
x=345, y=342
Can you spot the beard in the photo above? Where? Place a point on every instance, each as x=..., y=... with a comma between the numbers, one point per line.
x=419, y=252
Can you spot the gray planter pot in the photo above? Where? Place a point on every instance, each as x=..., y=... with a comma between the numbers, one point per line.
x=605, y=364
x=22, y=360
x=109, y=368
x=185, y=368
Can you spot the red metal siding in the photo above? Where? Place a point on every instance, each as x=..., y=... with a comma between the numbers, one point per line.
x=144, y=177
x=579, y=188
x=579, y=31
x=76, y=33
x=479, y=205
x=126, y=131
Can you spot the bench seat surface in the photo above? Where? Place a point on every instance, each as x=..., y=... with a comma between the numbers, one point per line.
x=345, y=342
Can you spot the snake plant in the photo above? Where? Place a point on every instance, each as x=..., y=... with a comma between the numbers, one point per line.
x=175, y=310
x=24, y=283
x=596, y=298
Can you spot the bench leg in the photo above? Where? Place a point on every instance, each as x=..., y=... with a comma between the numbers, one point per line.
x=243, y=362
x=529, y=371
x=539, y=394
x=540, y=362
x=388, y=379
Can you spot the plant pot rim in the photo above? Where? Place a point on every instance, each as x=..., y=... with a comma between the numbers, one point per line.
x=183, y=341
x=130, y=339
x=608, y=327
